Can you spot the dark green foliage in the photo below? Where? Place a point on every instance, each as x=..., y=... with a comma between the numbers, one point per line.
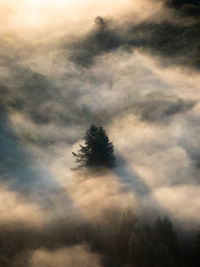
x=165, y=233
x=119, y=242
x=97, y=150
x=190, y=10
x=134, y=244
x=196, y=249
x=122, y=239
x=100, y=21
x=186, y=8
x=179, y=3
x=154, y=246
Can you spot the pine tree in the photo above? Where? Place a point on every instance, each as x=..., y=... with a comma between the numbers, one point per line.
x=97, y=150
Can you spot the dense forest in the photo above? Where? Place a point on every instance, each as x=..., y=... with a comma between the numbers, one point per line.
x=121, y=240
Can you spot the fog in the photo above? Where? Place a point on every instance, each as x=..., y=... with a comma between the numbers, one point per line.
x=138, y=77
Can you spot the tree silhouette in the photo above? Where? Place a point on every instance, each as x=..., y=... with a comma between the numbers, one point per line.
x=97, y=150
x=100, y=21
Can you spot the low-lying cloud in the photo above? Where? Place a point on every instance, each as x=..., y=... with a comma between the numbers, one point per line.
x=74, y=256
x=138, y=77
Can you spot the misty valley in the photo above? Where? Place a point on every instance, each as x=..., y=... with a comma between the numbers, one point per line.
x=99, y=133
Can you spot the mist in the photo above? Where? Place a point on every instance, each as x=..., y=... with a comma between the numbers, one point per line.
x=131, y=67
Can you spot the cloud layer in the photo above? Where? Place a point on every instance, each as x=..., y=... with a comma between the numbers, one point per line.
x=136, y=74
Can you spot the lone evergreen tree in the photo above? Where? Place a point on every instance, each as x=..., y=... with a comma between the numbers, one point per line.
x=97, y=150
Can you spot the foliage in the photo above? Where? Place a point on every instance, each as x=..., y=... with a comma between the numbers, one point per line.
x=120, y=240
x=97, y=150
x=100, y=21
x=196, y=249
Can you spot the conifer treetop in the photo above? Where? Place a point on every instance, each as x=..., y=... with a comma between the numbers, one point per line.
x=97, y=149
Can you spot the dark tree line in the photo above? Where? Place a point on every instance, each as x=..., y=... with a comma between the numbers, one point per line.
x=121, y=242
x=142, y=245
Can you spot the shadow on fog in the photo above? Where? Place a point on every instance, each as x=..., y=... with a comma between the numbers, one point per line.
x=135, y=184
x=23, y=174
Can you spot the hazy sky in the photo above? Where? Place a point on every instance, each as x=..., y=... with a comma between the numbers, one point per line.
x=52, y=15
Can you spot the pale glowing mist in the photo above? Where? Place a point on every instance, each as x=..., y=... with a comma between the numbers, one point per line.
x=50, y=15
